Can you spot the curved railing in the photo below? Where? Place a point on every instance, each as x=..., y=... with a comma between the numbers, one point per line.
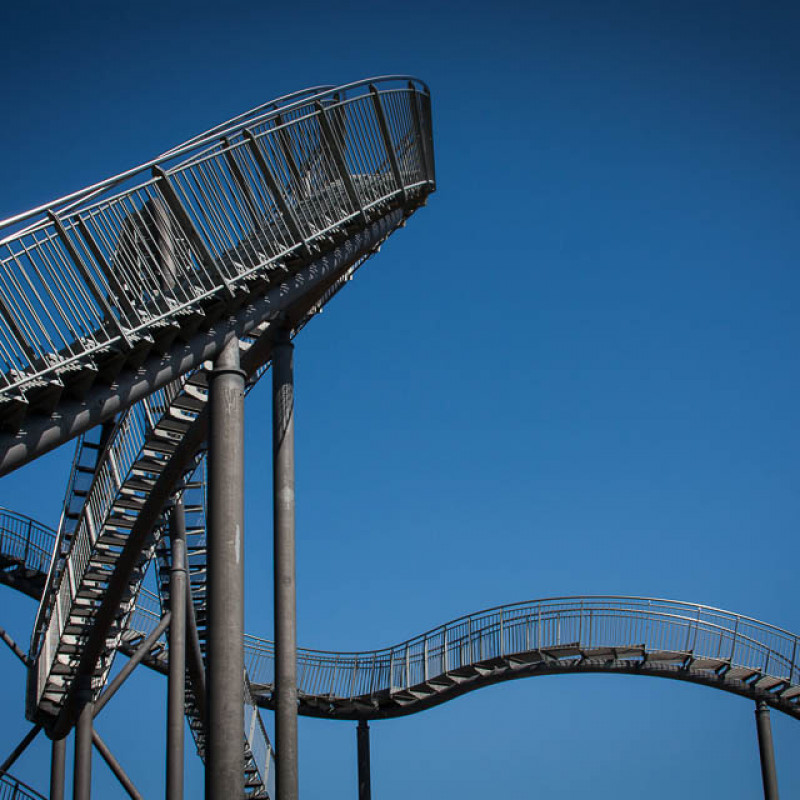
x=13, y=789
x=26, y=547
x=636, y=635
x=633, y=635
x=625, y=634
x=91, y=280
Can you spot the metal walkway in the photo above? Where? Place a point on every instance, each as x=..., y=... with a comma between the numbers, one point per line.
x=628, y=635
x=111, y=293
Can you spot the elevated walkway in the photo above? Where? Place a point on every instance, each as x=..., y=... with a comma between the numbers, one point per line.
x=569, y=635
x=111, y=293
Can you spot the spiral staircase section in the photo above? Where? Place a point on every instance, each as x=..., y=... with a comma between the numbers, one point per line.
x=117, y=290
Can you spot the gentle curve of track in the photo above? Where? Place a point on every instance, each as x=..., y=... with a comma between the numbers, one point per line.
x=571, y=635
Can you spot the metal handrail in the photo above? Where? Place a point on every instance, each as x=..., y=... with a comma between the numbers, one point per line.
x=12, y=788
x=255, y=115
x=26, y=540
x=88, y=276
x=575, y=623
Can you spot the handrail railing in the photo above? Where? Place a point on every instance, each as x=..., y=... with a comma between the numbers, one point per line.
x=95, y=271
x=25, y=540
x=577, y=623
x=12, y=788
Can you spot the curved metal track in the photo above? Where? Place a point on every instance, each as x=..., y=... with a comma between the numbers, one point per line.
x=113, y=292
x=568, y=635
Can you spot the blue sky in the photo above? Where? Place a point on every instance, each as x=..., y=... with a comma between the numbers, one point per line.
x=575, y=371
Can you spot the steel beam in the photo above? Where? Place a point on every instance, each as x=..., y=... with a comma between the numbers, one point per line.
x=364, y=779
x=19, y=749
x=225, y=631
x=769, y=776
x=58, y=764
x=82, y=774
x=177, y=654
x=285, y=605
x=115, y=767
x=141, y=651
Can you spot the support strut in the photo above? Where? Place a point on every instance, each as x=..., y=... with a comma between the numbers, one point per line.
x=225, y=632
x=177, y=654
x=19, y=749
x=769, y=775
x=364, y=778
x=58, y=766
x=284, y=566
x=82, y=773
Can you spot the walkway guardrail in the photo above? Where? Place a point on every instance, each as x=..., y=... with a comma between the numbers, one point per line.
x=93, y=273
x=25, y=541
x=13, y=789
x=572, y=624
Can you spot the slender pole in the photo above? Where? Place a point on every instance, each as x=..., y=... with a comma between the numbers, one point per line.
x=115, y=767
x=284, y=566
x=58, y=764
x=225, y=698
x=82, y=773
x=177, y=654
x=141, y=651
x=364, y=780
x=768, y=774
x=19, y=749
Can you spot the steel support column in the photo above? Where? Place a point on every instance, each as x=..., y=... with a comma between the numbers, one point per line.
x=82, y=773
x=225, y=631
x=177, y=654
x=58, y=764
x=768, y=774
x=364, y=779
x=284, y=566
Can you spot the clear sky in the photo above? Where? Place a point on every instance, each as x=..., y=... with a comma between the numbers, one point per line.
x=575, y=371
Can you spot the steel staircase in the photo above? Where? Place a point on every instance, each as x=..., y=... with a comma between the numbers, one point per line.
x=259, y=757
x=111, y=292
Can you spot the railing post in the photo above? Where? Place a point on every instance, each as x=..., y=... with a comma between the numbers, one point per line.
x=285, y=608
x=425, y=658
x=27, y=543
x=766, y=751
x=225, y=628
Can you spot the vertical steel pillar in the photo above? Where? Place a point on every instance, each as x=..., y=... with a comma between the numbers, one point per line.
x=766, y=750
x=177, y=654
x=82, y=774
x=364, y=779
x=58, y=763
x=225, y=630
x=284, y=566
